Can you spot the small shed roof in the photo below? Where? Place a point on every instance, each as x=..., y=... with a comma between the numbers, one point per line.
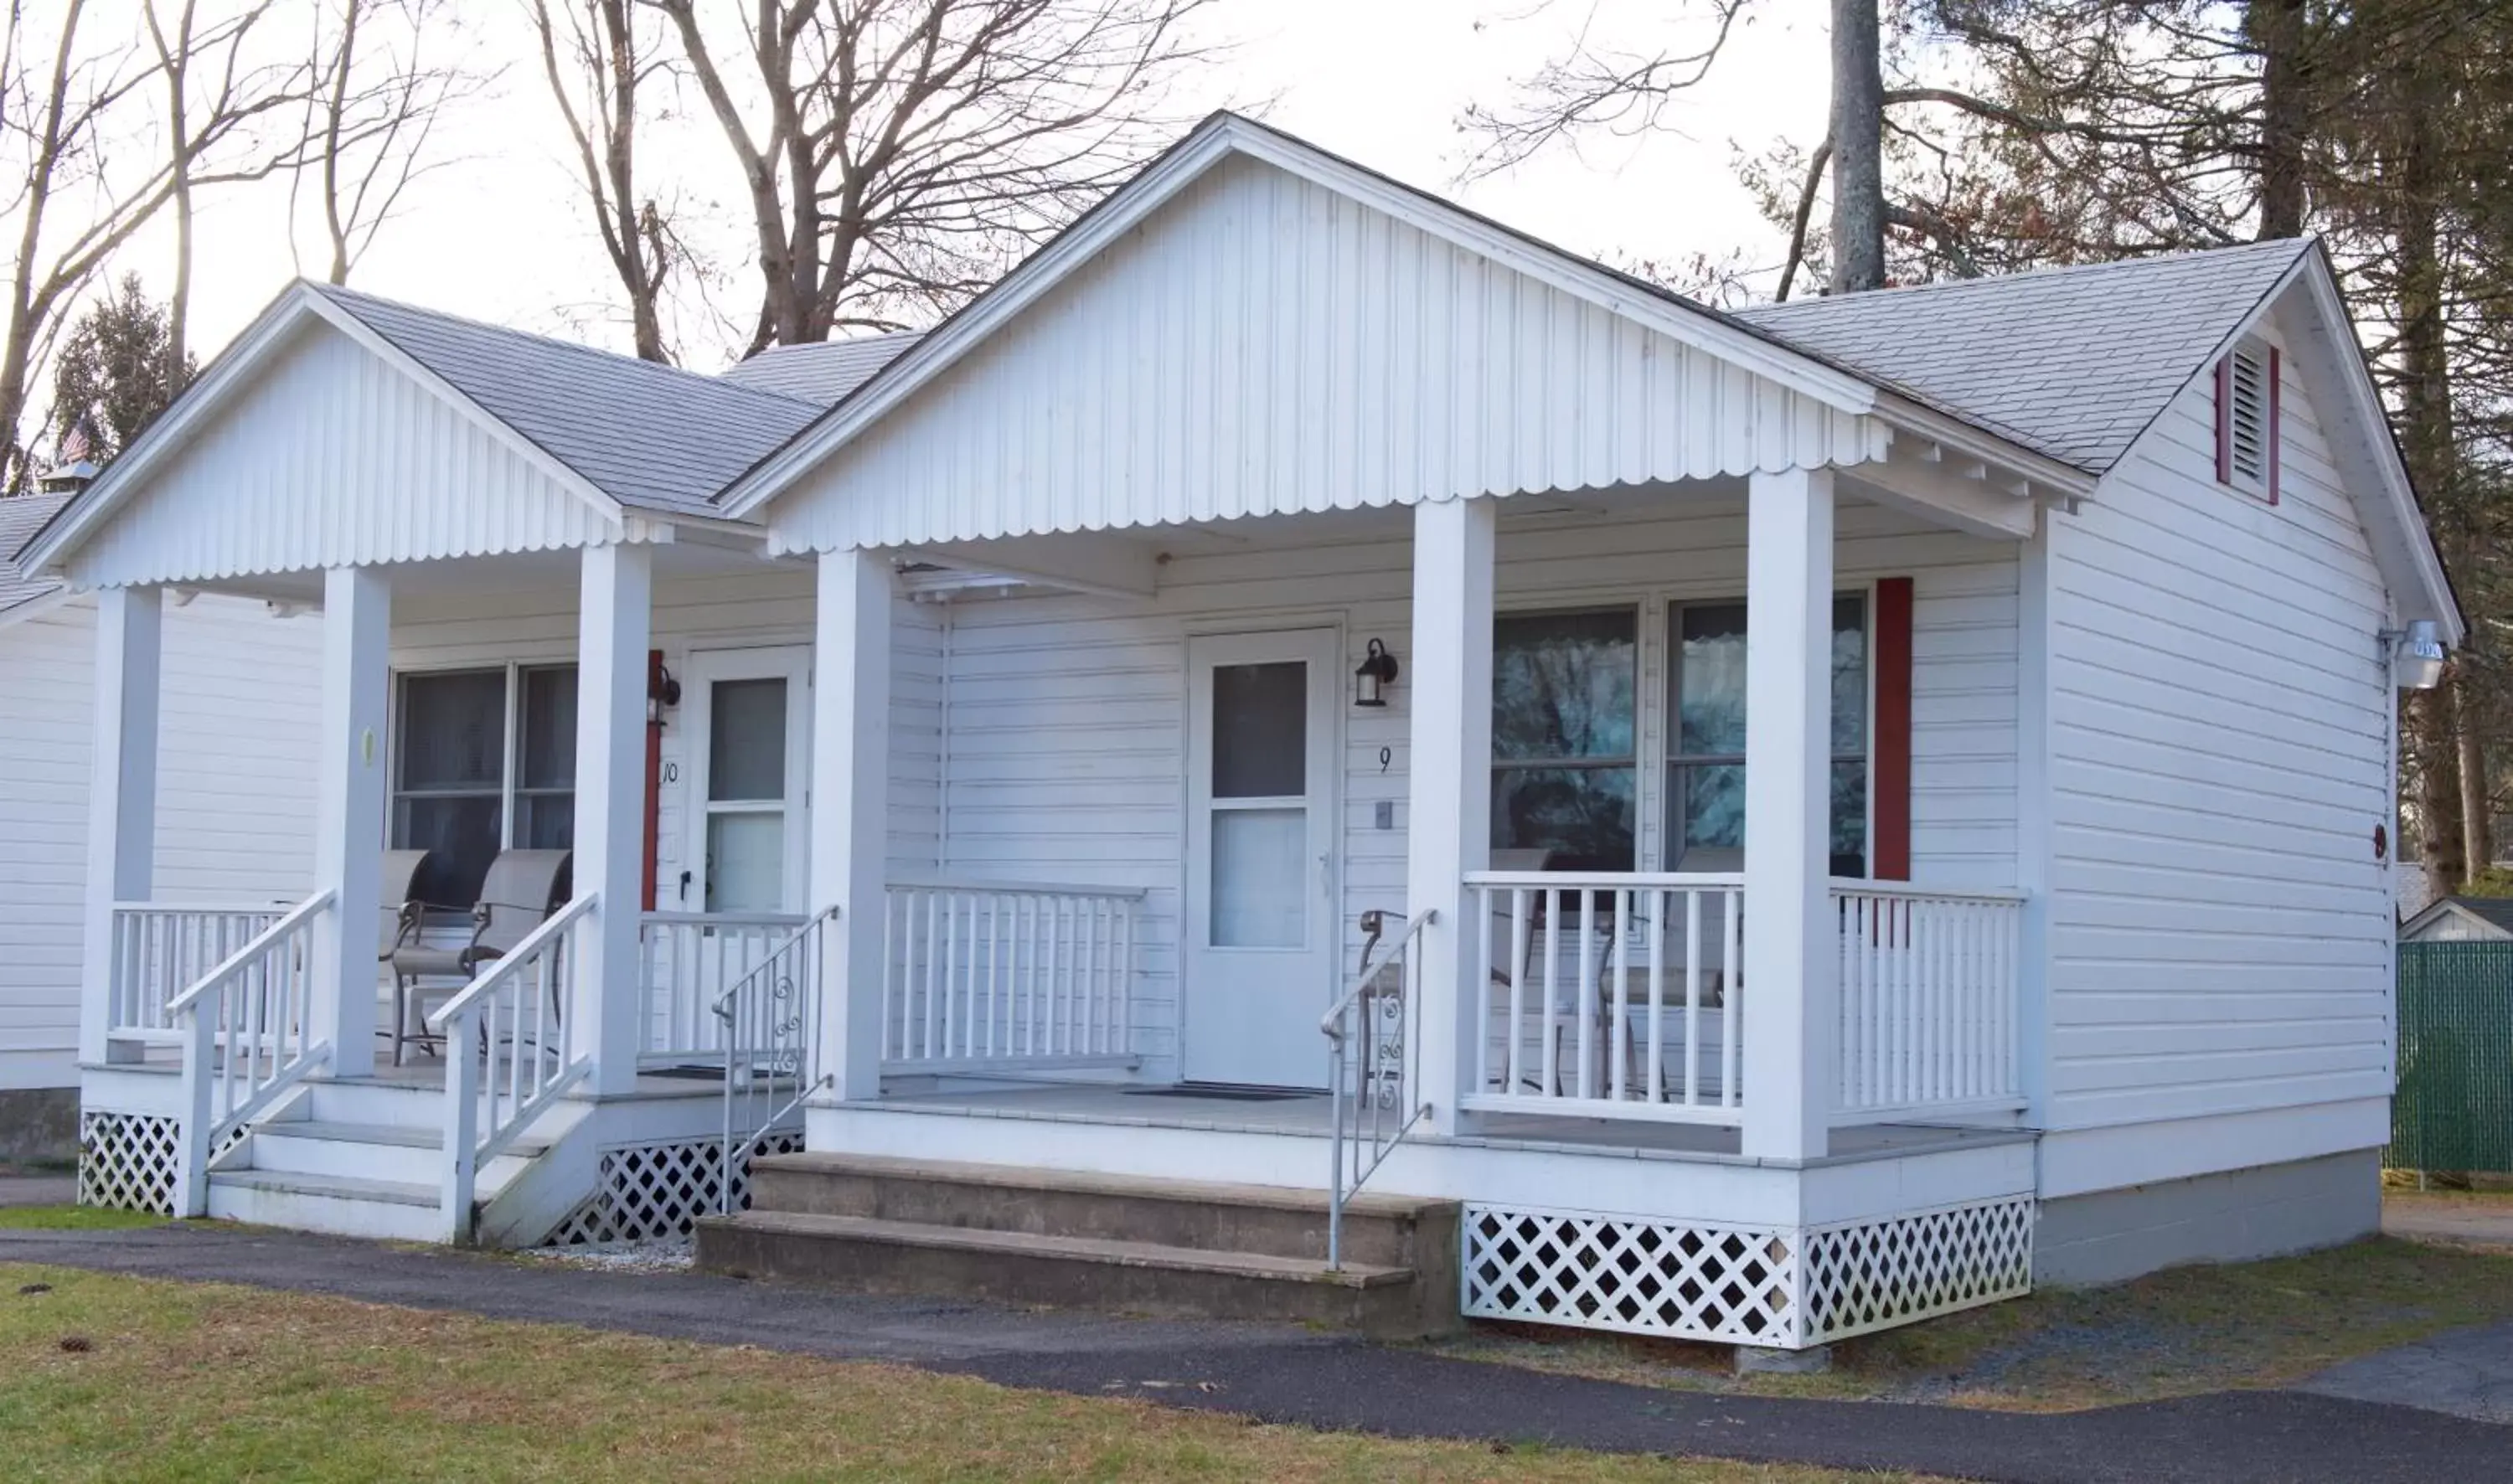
x=651, y=437
x=2073, y=363
x=2493, y=912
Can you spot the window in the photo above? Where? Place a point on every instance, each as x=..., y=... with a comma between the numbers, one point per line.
x=1705, y=789
x=2246, y=419
x=1564, y=766
x=474, y=773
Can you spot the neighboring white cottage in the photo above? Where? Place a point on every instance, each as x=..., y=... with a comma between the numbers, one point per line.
x=235, y=804
x=1746, y=826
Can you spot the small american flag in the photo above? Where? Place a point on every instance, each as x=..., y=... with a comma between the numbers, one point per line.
x=78, y=443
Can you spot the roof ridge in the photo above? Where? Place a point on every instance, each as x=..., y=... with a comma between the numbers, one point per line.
x=2295, y=245
x=553, y=342
x=766, y=351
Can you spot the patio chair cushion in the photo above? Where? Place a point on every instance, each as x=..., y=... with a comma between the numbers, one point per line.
x=435, y=963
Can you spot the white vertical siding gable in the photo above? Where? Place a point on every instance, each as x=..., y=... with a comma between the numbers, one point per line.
x=327, y=456
x=1263, y=344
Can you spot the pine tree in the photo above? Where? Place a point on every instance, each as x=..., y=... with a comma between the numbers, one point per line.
x=112, y=371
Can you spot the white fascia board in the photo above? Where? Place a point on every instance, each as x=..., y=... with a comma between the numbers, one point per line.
x=489, y=422
x=1912, y=421
x=1162, y=181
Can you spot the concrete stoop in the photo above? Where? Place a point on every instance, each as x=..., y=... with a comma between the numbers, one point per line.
x=1022, y=1235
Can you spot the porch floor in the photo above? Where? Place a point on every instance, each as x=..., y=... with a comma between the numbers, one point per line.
x=430, y=1073
x=1309, y=1114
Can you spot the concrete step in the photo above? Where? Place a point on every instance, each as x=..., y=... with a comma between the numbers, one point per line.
x=1275, y=1221
x=345, y=1205
x=399, y=1104
x=376, y=1152
x=869, y=1255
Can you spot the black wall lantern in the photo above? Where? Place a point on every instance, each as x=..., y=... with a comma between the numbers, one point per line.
x=1369, y=683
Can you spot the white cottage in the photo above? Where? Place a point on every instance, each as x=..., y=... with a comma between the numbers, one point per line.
x=234, y=821
x=1751, y=827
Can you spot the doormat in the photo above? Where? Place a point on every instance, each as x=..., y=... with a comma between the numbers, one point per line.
x=693, y=1074
x=1224, y=1092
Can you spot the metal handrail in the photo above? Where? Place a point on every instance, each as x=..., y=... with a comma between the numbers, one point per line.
x=738, y=1081
x=1342, y=1102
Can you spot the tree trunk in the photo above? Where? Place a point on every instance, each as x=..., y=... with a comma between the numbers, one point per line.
x=2441, y=845
x=1859, y=148
x=2470, y=761
x=2278, y=29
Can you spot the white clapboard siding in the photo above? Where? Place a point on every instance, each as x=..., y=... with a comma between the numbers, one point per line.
x=1264, y=344
x=235, y=801
x=332, y=458
x=2219, y=926
x=1066, y=722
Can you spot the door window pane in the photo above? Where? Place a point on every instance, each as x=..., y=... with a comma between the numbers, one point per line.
x=1259, y=878
x=1562, y=685
x=746, y=740
x=1261, y=730
x=746, y=861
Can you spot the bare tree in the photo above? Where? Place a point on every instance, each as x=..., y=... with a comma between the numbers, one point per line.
x=1857, y=137
x=896, y=153
x=597, y=59
x=217, y=90
x=380, y=86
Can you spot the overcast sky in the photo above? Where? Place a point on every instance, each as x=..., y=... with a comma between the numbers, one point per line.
x=500, y=234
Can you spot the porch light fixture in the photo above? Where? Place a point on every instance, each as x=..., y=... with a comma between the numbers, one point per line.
x=1377, y=672
x=2417, y=655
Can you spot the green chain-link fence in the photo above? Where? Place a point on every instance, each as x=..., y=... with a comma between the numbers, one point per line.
x=2455, y=1105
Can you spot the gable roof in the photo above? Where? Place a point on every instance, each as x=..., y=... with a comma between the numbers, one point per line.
x=21, y=517
x=825, y=373
x=2493, y=912
x=2073, y=363
x=651, y=437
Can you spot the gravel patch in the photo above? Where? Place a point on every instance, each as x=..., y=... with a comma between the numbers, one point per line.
x=676, y=1255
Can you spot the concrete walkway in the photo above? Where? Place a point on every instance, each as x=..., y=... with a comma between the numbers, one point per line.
x=1285, y=1375
x=2447, y=1219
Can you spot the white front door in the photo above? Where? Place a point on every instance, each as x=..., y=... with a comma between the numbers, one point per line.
x=747, y=712
x=1259, y=936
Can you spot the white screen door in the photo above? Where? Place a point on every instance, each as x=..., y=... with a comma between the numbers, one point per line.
x=745, y=712
x=1261, y=915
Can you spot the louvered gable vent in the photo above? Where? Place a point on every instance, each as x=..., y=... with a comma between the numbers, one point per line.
x=2246, y=419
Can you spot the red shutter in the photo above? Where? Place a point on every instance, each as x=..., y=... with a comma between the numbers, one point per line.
x=2276, y=434
x=2225, y=421
x=1890, y=762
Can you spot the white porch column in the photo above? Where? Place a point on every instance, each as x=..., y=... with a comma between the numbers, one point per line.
x=122, y=797
x=349, y=811
x=1787, y=994
x=1448, y=821
x=607, y=993
x=851, y=812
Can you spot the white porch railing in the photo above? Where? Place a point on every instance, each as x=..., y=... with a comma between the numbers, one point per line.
x=1007, y=976
x=1621, y=996
x=1928, y=1001
x=160, y=949
x=1610, y=995
x=687, y=962
x=511, y=1051
x=246, y=1039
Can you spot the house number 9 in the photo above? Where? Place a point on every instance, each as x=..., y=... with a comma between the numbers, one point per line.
x=1386, y=755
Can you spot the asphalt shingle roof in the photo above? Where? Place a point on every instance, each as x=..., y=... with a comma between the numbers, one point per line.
x=825, y=373
x=2071, y=363
x=21, y=517
x=649, y=436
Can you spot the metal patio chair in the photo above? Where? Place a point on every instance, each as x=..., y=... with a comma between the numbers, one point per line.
x=522, y=888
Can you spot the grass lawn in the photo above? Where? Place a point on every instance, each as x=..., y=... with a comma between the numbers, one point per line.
x=2171, y=1334
x=76, y=1218
x=128, y=1379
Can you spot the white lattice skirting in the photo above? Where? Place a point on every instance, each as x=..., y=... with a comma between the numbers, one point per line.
x=1786, y=1287
x=652, y=1191
x=128, y=1160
